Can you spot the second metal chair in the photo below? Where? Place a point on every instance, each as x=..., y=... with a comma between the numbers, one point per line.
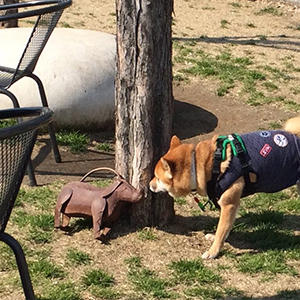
x=46, y=14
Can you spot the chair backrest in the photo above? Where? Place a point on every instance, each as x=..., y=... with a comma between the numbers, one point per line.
x=47, y=14
x=16, y=144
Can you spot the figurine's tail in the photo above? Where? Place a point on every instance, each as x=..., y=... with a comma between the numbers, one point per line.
x=62, y=198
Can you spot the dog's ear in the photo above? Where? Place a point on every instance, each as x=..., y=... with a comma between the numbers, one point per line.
x=167, y=168
x=175, y=141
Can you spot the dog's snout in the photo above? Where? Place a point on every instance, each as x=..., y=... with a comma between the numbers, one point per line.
x=152, y=185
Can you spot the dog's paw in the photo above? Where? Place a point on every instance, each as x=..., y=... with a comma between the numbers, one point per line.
x=209, y=254
x=210, y=237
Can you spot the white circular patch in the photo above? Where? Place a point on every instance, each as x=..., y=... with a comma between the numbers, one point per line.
x=265, y=134
x=280, y=140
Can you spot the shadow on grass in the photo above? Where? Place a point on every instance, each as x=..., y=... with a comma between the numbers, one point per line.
x=282, y=295
x=266, y=236
x=180, y=225
x=261, y=236
x=245, y=235
x=277, y=42
x=77, y=225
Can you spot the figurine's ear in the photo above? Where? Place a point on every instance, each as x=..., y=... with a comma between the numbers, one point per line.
x=175, y=141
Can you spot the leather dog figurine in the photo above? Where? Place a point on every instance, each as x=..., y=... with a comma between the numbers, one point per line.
x=104, y=205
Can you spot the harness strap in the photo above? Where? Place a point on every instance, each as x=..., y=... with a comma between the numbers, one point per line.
x=193, y=172
x=212, y=184
x=238, y=149
x=244, y=160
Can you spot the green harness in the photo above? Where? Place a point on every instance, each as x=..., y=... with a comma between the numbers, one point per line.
x=239, y=150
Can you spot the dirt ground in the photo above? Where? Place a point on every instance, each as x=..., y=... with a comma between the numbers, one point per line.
x=199, y=113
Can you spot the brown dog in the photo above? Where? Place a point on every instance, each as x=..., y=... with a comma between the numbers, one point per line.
x=272, y=164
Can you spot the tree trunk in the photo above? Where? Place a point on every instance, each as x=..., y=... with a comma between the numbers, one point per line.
x=144, y=99
x=9, y=23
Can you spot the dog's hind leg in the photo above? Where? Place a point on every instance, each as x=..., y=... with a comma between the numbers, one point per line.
x=229, y=204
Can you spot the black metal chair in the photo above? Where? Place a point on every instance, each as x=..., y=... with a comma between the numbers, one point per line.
x=47, y=14
x=16, y=144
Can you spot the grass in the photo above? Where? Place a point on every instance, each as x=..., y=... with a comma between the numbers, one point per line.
x=8, y=262
x=203, y=293
x=226, y=68
x=180, y=201
x=42, y=221
x=235, y=4
x=283, y=201
x=224, y=23
x=76, y=141
x=77, y=257
x=105, y=293
x=257, y=84
x=64, y=266
x=145, y=280
x=251, y=25
x=46, y=269
x=270, y=262
x=41, y=197
x=147, y=234
x=105, y=147
x=7, y=123
x=98, y=278
x=269, y=10
x=39, y=227
x=61, y=291
x=71, y=271
x=191, y=271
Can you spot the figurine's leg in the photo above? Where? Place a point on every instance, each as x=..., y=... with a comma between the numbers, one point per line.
x=105, y=231
x=97, y=209
x=96, y=226
x=65, y=220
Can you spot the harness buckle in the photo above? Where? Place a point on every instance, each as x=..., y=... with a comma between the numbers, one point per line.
x=218, y=154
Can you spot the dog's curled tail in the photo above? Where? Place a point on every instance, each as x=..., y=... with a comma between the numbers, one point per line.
x=293, y=125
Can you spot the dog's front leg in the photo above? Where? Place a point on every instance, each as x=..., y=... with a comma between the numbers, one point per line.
x=229, y=204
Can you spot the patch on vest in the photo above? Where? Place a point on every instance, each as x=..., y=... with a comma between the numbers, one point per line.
x=265, y=134
x=280, y=140
x=265, y=150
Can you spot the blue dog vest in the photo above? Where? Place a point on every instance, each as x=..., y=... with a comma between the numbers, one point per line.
x=274, y=157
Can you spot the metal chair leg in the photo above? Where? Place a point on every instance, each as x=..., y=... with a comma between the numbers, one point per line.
x=30, y=171
x=54, y=143
x=50, y=126
x=22, y=264
x=11, y=96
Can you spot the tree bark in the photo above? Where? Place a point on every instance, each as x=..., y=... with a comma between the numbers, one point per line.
x=144, y=99
x=9, y=23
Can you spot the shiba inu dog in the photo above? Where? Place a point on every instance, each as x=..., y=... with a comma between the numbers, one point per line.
x=228, y=168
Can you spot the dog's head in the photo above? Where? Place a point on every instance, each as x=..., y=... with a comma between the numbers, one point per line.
x=172, y=172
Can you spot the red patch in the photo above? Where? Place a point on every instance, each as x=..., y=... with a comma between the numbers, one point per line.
x=265, y=150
